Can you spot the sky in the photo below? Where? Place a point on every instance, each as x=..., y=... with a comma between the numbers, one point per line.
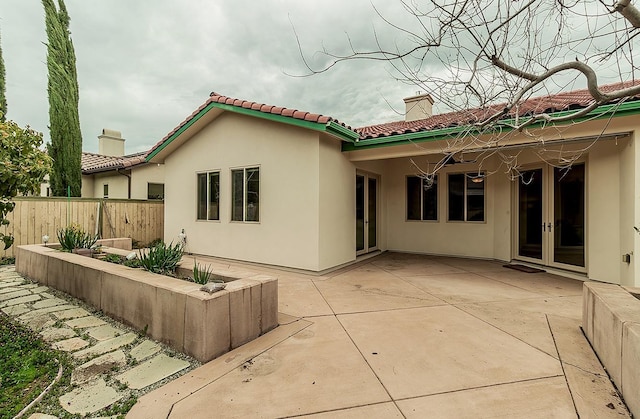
x=143, y=67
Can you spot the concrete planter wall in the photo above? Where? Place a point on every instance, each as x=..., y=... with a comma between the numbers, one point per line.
x=171, y=310
x=611, y=322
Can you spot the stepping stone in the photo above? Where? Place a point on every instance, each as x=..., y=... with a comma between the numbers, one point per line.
x=14, y=294
x=97, y=366
x=106, y=346
x=15, y=310
x=20, y=300
x=90, y=398
x=52, y=334
x=10, y=284
x=6, y=290
x=71, y=314
x=71, y=345
x=152, y=371
x=104, y=332
x=35, y=313
x=144, y=350
x=82, y=322
x=46, y=295
x=42, y=416
x=29, y=286
x=49, y=302
x=39, y=289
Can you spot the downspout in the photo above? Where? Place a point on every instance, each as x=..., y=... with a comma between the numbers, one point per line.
x=128, y=182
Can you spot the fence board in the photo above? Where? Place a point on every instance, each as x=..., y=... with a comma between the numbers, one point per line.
x=34, y=217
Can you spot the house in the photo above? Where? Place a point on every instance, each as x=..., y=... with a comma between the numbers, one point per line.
x=283, y=187
x=112, y=174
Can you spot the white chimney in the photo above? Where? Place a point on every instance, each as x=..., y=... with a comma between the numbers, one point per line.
x=418, y=107
x=111, y=143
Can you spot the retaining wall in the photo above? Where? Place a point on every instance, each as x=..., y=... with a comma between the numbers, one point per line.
x=171, y=310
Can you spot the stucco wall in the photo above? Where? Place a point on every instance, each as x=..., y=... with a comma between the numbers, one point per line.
x=337, y=206
x=473, y=239
x=141, y=176
x=288, y=157
x=118, y=185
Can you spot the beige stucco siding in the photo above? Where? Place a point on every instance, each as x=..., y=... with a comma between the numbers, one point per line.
x=288, y=231
x=337, y=206
x=118, y=185
x=141, y=176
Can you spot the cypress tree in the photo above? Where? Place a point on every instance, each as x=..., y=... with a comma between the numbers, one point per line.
x=64, y=122
x=3, y=95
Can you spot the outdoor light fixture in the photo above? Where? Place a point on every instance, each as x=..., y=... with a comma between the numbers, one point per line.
x=477, y=179
x=183, y=237
x=45, y=239
x=131, y=256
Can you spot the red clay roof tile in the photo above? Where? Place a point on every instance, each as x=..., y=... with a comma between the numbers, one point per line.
x=95, y=163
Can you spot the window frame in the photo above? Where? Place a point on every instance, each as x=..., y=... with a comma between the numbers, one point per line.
x=422, y=200
x=155, y=199
x=207, y=197
x=245, y=194
x=467, y=176
x=105, y=191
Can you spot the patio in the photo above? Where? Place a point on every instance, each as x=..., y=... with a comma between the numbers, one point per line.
x=409, y=336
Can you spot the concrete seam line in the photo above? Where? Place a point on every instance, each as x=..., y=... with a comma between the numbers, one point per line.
x=41, y=396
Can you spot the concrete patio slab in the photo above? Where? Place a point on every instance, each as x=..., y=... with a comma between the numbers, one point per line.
x=289, y=301
x=373, y=411
x=316, y=370
x=540, y=282
x=542, y=398
x=363, y=290
x=570, y=307
x=156, y=369
x=443, y=349
x=468, y=288
x=416, y=267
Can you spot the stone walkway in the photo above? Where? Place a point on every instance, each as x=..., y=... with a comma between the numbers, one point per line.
x=111, y=363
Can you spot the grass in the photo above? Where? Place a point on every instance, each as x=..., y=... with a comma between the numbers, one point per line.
x=29, y=365
x=5, y=260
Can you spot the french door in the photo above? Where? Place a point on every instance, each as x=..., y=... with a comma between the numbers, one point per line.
x=551, y=217
x=366, y=213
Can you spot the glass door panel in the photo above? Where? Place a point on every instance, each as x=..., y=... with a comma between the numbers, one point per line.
x=360, y=207
x=569, y=216
x=530, y=212
x=372, y=212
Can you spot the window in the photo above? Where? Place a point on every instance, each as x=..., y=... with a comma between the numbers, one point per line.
x=466, y=197
x=245, y=192
x=209, y=196
x=155, y=191
x=422, y=199
x=105, y=191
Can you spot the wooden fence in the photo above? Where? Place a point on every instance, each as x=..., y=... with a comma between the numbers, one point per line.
x=34, y=217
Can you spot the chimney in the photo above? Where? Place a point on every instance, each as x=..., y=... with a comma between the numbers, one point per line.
x=418, y=107
x=111, y=143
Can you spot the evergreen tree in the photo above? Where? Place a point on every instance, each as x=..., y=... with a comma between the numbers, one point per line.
x=3, y=96
x=64, y=122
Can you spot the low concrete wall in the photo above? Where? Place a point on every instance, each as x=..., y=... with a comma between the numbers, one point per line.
x=172, y=311
x=611, y=322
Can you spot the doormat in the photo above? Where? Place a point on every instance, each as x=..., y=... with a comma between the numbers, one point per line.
x=523, y=268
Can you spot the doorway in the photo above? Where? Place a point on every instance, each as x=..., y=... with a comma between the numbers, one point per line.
x=366, y=213
x=551, y=217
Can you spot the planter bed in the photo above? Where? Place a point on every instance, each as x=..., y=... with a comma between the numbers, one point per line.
x=611, y=322
x=170, y=310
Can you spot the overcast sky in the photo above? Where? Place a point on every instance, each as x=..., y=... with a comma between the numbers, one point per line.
x=144, y=66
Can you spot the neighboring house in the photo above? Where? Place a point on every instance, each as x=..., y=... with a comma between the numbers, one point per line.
x=112, y=174
x=278, y=186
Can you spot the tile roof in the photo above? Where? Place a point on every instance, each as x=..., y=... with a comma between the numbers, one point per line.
x=255, y=106
x=95, y=163
x=545, y=104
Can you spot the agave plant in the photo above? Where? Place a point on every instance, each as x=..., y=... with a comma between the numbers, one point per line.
x=162, y=258
x=73, y=237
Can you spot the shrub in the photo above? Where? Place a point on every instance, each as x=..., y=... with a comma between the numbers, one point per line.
x=73, y=237
x=113, y=258
x=161, y=258
x=201, y=275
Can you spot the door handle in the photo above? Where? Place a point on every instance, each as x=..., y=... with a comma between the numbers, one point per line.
x=549, y=227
